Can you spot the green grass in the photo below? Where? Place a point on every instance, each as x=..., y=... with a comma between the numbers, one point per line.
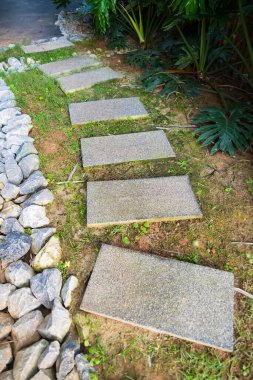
x=38, y=57
x=125, y=354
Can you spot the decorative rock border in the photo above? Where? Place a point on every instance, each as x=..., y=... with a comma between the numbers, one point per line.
x=35, y=338
x=15, y=65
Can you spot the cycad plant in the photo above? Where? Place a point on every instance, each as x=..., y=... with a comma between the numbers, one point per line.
x=225, y=129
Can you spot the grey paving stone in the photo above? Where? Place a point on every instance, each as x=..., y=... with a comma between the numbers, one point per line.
x=136, y=200
x=110, y=109
x=47, y=46
x=87, y=79
x=168, y=296
x=67, y=65
x=116, y=149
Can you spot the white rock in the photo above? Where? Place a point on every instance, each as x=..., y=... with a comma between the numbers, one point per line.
x=49, y=356
x=42, y=375
x=7, y=114
x=46, y=286
x=49, y=256
x=17, y=140
x=26, y=360
x=6, y=323
x=13, y=171
x=10, y=191
x=33, y=217
x=24, y=150
x=6, y=95
x=40, y=236
x=30, y=61
x=8, y=375
x=5, y=355
x=5, y=292
x=21, y=302
x=11, y=225
x=19, y=274
x=41, y=198
x=29, y=164
x=57, y=324
x=22, y=130
x=7, y=104
x=35, y=182
x=66, y=293
x=17, y=121
x=9, y=210
x=24, y=330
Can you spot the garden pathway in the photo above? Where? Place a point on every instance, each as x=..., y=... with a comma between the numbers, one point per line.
x=184, y=300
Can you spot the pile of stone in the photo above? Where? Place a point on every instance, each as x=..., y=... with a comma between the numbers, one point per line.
x=14, y=65
x=34, y=326
x=35, y=338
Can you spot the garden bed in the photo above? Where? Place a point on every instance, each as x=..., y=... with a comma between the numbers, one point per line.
x=222, y=184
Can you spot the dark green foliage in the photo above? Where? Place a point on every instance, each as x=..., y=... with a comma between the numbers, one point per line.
x=226, y=129
x=169, y=83
x=117, y=43
x=143, y=19
x=143, y=58
x=101, y=11
x=116, y=33
x=61, y=3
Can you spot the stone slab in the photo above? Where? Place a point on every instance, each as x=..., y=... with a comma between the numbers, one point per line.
x=116, y=149
x=139, y=200
x=67, y=65
x=87, y=79
x=47, y=46
x=109, y=109
x=167, y=296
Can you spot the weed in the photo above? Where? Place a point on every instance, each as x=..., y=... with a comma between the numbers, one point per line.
x=28, y=231
x=249, y=257
x=249, y=184
x=202, y=366
x=125, y=240
x=63, y=266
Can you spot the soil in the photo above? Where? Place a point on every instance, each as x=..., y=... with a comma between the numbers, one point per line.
x=51, y=144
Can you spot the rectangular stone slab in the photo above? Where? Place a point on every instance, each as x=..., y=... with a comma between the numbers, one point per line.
x=109, y=109
x=87, y=79
x=67, y=65
x=47, y=46
x=137, y=200
x=116, y=149
x=167, y=296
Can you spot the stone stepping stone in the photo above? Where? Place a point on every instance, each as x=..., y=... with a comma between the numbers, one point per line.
x=139, y=200
x=166, y=296
x=67, y=65
x=110, y=109
x=116, y=149
x=87, y=79
x=47, y=46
